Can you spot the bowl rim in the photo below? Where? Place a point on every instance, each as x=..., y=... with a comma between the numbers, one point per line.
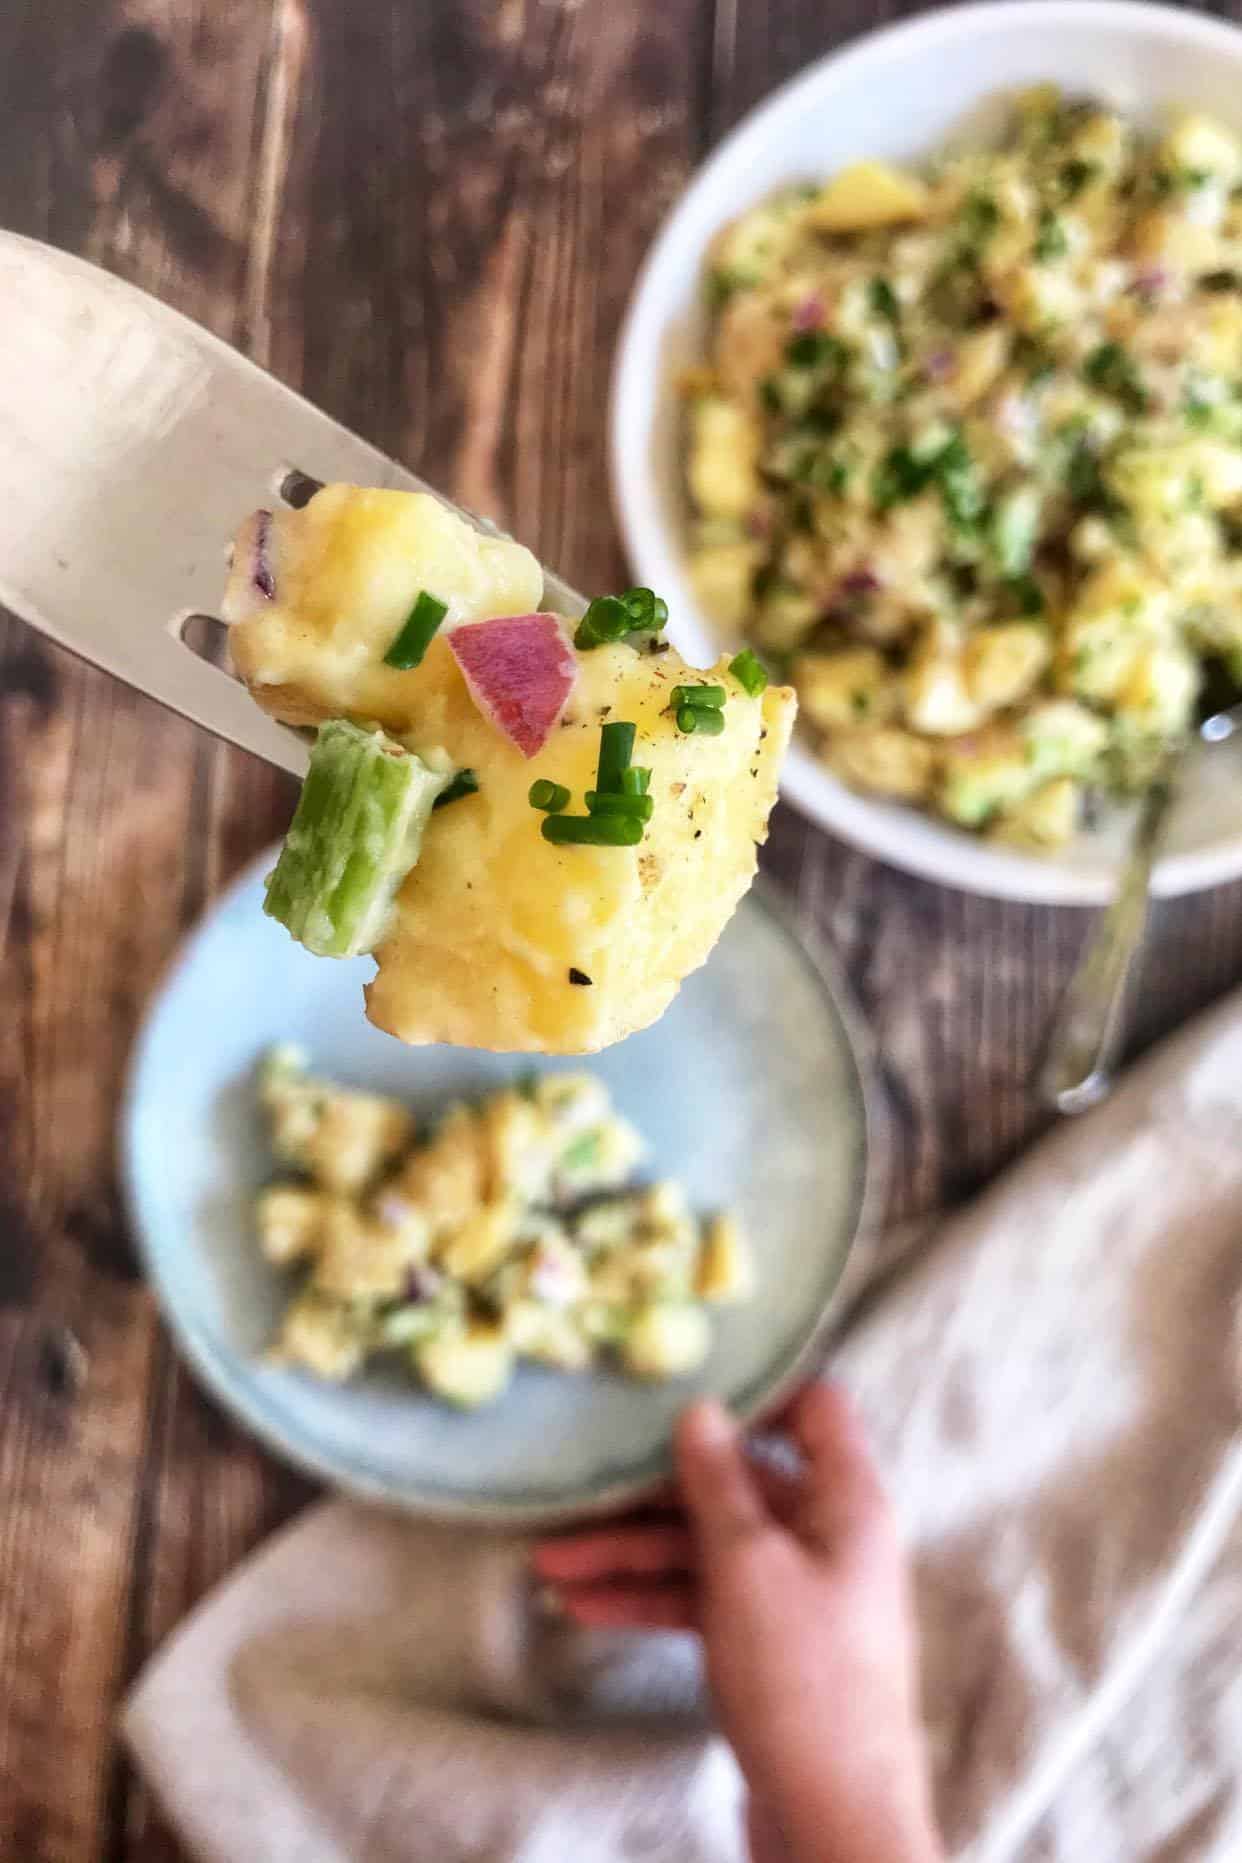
x=919, y=843
x=209, y=1365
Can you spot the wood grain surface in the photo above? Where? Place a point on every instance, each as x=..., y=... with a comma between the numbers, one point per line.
x=427, y=214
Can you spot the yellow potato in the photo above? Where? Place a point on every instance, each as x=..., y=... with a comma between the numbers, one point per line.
x=867, y=194
x=500, y=939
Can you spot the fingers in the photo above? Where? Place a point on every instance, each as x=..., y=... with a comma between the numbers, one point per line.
x=632, y=1549
x=843, y=1499
x=720, y=1491
x=668, y=1606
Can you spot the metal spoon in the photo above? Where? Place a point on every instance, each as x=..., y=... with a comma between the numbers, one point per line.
x=1085, y=1038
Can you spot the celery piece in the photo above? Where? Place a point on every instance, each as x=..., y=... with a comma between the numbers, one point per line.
x=355, y=836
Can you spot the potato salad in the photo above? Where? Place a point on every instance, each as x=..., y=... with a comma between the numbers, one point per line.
x=966, y=459
x=538, y=826
x=512, y=1229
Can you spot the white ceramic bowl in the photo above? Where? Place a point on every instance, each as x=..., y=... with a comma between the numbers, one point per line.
x=899, y=94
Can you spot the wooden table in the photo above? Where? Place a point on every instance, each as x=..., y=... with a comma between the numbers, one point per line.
x=426, y=214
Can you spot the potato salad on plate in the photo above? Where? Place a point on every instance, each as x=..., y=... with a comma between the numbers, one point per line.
x=538, y=826
x=509, y=1230
x=965, y=459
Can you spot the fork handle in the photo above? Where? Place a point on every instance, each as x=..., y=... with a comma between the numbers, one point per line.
x=1085, y=1038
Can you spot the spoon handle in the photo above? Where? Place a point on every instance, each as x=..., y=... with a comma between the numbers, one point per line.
x=1082, y=1048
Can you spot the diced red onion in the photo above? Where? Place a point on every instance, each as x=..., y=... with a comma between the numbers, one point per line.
x=809, y=314
x=392, y=1210
x=422, y=1283
x=940, y=365
x=553, y=1281
x=1150, y=280
x=759, y=523
x=520, y=670
x=860, y=582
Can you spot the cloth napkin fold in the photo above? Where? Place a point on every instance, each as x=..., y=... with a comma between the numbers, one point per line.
x=1053, y=1393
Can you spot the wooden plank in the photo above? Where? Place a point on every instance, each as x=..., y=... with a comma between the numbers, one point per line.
x=430, y=218
x=125, y=135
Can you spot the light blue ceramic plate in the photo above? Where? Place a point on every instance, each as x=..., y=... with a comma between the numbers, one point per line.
x=751, y=1089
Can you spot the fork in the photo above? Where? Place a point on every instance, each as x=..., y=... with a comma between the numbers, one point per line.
x=132, y=443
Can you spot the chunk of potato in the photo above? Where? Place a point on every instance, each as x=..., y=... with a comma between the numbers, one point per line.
x=722, y=468
x=1003, y=664
x=849, y=687
x=1198, y=144
x=324, y=1337
x=475, y=1250
x=883, y=759
x=499, y=938
x=726, y=1270
x=339, y=1137
x=466, y=1368
x=288, y=1220
x=360, y=1258
x=722, y=577
x=866, y=195
x=445, y=1179
x=936, y=698
x=669, y=1339
x=1047, y=818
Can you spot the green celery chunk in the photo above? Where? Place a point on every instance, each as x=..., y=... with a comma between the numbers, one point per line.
x=355, y=836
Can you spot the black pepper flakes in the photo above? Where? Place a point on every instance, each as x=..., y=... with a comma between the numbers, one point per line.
x=698, y=834
x=578, y=976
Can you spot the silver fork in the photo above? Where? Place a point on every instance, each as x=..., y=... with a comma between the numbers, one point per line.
x=1084, y=1043
x=132, y=443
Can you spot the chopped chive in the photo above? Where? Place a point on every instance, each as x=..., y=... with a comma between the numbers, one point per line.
x=616, y=743
x=417, y=632
x=612, y=617
x=610, y=803
x=635, y=782
x=712, y=696
x=691, y=718
x=883, y=300
x=593, y=830
x=465, y=783
x=813, y=349
x=551, y=797
x=749, y=671
x=607, y=618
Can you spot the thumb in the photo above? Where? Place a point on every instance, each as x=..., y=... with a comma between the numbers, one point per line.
x=720, y=1493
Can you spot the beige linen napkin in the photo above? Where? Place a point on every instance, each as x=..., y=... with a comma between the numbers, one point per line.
x=1054, y=1397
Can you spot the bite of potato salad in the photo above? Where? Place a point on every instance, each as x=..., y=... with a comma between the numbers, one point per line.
x=537, y=826
x=965, y=459
x=511, y=1229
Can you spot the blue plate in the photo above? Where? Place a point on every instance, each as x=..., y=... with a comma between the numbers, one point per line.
x=751, y=1090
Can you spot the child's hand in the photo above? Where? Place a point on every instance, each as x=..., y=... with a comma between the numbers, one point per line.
x=797, y=1585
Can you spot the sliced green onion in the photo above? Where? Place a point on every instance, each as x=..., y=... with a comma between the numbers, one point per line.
x=465, y=783
x=593, y=830
x=749, y=671
x=635, y=782
x=612, y=804
x=417, y=633
x=551, y=797
x=607, y=618
x=713, y=696
x=355, y=836
x=616, y=743
x=612, y=617
x=691, y=718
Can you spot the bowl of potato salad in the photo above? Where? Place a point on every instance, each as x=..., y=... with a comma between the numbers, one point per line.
x=931, y=393
x=482, y=1286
